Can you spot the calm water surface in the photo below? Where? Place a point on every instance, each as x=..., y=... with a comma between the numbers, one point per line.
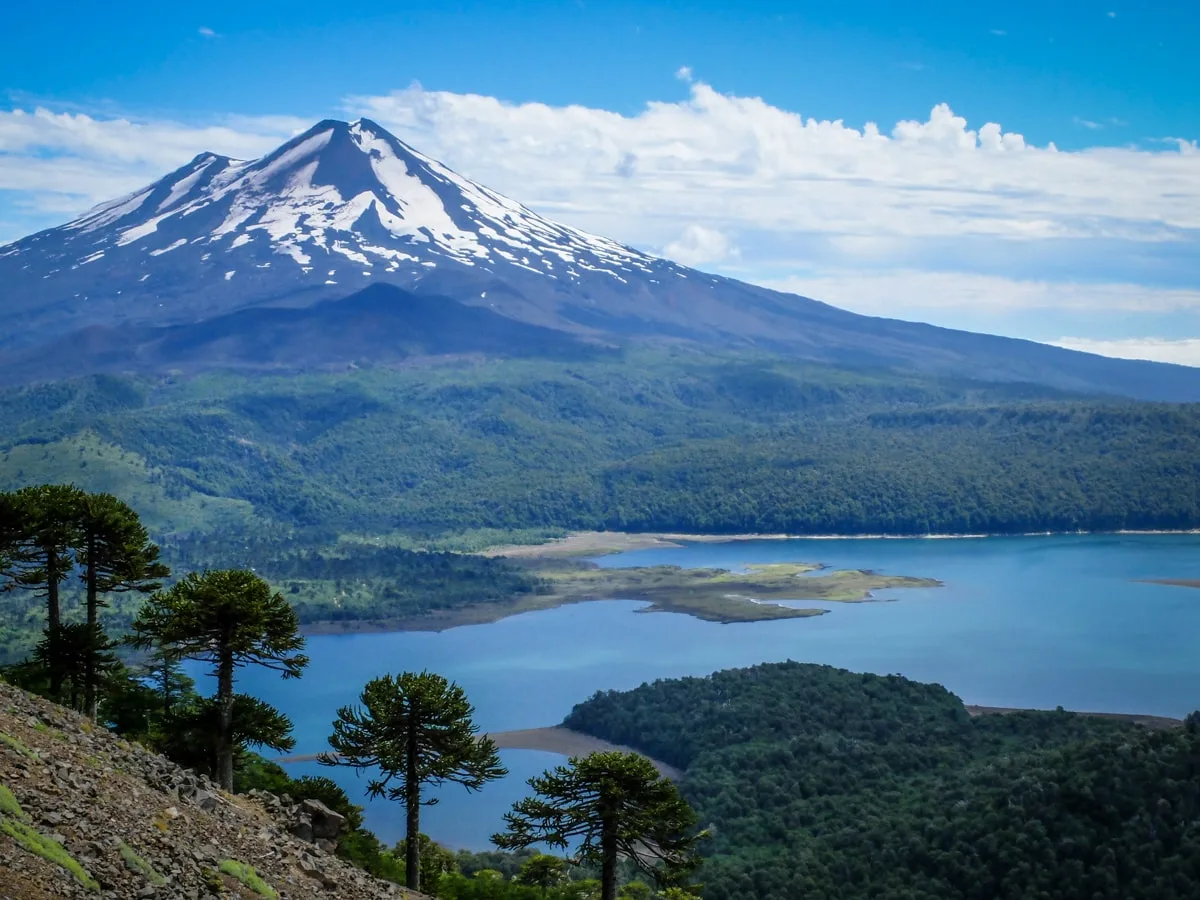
x=1025, y=622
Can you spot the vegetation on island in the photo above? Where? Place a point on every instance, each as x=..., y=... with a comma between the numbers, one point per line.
x=817, y=782
x=719, y=595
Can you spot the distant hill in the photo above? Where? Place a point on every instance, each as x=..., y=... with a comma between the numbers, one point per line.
x=311, y=221
x=629, y=440
x=818, y=782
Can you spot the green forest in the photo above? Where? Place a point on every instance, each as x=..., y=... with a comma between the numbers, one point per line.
x=654, y=440
x=818, y=783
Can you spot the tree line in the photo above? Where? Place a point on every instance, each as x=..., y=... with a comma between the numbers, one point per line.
x=411, y=731
x=712, y=445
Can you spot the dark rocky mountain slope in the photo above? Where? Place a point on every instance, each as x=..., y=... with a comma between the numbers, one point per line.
x=86, y=814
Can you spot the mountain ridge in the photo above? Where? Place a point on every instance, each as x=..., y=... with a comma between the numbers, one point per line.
x=344, y=205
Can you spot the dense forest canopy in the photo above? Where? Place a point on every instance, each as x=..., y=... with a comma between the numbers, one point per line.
x=821, y=783
x=653, y=440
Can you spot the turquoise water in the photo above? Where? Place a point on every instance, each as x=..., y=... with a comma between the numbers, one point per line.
x=1025, y=622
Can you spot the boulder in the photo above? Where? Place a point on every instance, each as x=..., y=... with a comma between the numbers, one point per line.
x=326, y=824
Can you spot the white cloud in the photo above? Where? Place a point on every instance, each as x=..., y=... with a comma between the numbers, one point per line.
x=999, y=32
x=699, y=246
x=1087, y=123
x=747, y=164
x=1185, y=352
x=205, y=31
x=66, y=162
x=901, y=293
x=684, y=73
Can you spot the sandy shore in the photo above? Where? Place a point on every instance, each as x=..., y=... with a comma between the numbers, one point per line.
x=567, y=743
x=1174, y=582
x=603, y=543
x=555, y=739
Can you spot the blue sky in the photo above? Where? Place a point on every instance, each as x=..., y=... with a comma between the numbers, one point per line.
x=1102, y=248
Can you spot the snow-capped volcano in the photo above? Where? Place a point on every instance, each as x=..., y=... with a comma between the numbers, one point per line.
x=349, y=195
x=331, y=208
x=266, y=263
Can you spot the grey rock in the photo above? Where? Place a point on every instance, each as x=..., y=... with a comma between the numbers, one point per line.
x=326, y=823
x=206, y=800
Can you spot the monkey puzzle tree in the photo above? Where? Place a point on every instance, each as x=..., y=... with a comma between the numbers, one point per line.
x=613, y=804
x=46, y=530
x=418, y=729
x=116, y=556
x=229, y=618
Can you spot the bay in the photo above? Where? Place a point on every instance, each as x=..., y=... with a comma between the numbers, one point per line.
x=1040, y=622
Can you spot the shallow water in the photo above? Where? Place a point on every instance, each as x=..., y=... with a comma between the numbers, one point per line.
x=1024, y=622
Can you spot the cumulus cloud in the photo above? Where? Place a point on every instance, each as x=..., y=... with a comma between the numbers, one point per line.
x=699, y=246
x=753, y=165
x=1184, y=352
x=684, y=73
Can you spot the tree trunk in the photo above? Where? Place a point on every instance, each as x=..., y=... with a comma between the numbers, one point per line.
x=412, y=804
x=225, y=705
x=608, y=860
x=93, y=619
x=166, y=686
x=53, y=622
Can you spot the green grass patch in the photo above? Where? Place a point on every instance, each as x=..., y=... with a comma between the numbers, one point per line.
x=10, y=807
x=16, y=745
x=247, y=876
x=136, y=863
x=50, y=850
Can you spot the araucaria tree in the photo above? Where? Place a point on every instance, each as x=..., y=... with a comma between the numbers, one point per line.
x=40, y=556
x=611, y=805
x=417, y=730
x=230, y=618
x=116, y=556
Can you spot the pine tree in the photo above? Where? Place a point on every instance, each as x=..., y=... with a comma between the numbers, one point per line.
x=229, y=618
x=614, y=805
x=417, y=729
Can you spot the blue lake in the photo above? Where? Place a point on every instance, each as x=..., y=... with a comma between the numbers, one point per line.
x=1025, y=622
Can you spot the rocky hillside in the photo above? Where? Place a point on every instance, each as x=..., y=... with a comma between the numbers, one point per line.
x=84, y=813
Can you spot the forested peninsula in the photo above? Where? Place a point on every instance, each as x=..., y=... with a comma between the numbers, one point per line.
x=818, y=782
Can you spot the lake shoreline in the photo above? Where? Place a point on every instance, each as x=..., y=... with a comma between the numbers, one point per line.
x=607, y=543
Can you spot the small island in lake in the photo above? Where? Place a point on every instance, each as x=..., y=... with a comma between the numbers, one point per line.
x=714, y=595
x=719, y=595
